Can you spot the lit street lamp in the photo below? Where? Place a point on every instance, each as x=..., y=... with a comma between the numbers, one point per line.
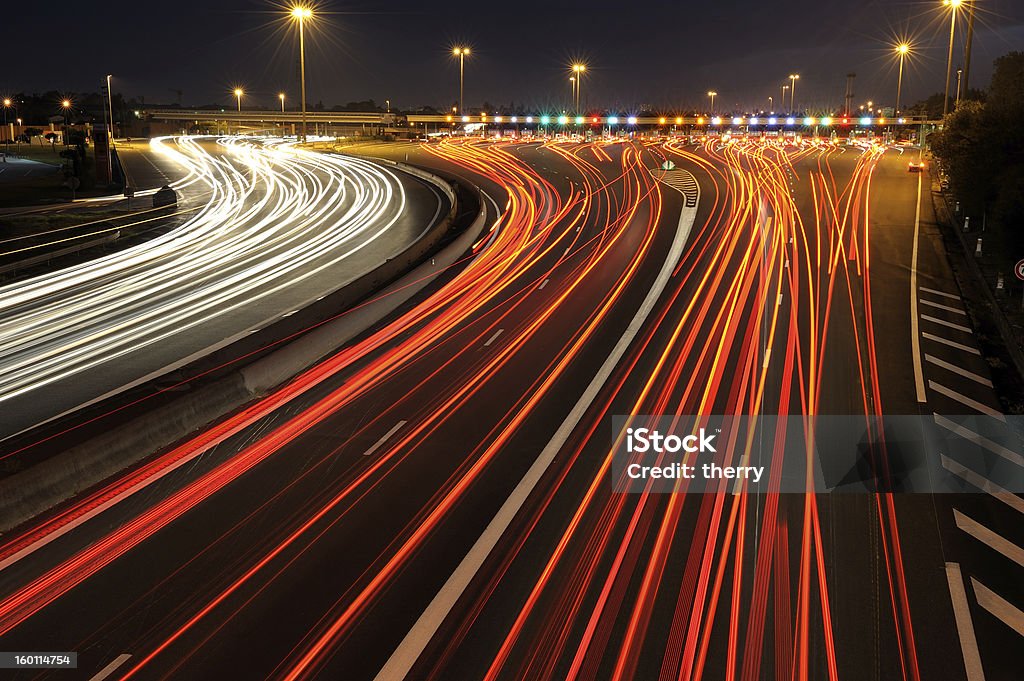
x=953, y=5
x=902, y=49
x=238, y=96
x=578, y=70
x=783, y=100
x=771, y=104
x=793, y=78
x=281, y=97
x=461, y=53
x=7, y=142
x=300, y=14
x=712, y=94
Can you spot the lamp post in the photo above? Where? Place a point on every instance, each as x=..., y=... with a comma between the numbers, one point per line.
x=953, y=5
x=902, y=49
x=959, y=73
x=281, y=97
x=238, y=97
x=300, y=14
x=783, y=100
x=461, y=53
x=712, y=94
x=7, y=143
x=578, y=70
x=110, y=139
x=771, y=104
x=572, y=89
x=793, y=78
x=18, y=138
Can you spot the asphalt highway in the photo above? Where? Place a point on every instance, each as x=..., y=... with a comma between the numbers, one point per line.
x=273, y=229
x=435, y=500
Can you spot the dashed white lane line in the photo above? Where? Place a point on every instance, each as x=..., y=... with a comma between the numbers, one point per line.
x=998, y=606
x=943, y=322
x=994, y=541
x=964, y=625
x=111, y=668
x=494, y=337
x=952, y=344
x=983, y=483
x=378, y=443
x=966, y=401
x=543, y=284
x=980, y=440
x=957, y=370
x=939, y=293
x=940, y=306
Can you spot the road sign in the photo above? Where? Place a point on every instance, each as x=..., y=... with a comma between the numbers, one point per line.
x=668, y=165
x=1018, y=269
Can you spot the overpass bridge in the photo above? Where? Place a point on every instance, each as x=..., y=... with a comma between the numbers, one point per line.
x=394, y=122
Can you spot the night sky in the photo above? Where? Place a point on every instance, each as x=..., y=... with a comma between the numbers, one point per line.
x=663, y=54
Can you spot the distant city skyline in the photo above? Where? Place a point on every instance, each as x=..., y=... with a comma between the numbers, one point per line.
x=666, y=57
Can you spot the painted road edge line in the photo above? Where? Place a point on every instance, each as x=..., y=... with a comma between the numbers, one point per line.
x=412, y=646
x=915, y=336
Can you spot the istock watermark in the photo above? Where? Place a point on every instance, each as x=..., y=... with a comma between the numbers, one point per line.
x=824, y=454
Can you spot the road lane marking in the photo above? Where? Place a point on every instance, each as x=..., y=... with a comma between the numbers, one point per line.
x=915, y=337
x=948, y=308
x=999, y=607
x=543, y=284
x=426, y=626
x=943, y=322
x=111, y=668
x=965, y=400
x=989, y=538
x=952, y=344
x=493, y=338
x=980, y=440
x=984, y=484
x=378, y=443
x=939, y=293
x=957, y=370
x=964, y=625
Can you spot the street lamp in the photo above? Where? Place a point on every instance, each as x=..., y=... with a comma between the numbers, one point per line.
x=953, y=6
x=238, y=96
x=771, y=104
x=281, y=97
x=7, y=142
x=578, y=70
x=783, y=100
x=461, y=53
x=300, y=14
x=572, y=88
x=110, y=143
x=712, y=94
x=793, y=78
x=902, y=49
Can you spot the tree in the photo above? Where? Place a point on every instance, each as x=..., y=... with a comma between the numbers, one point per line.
x=51, y=137
x=981, y=146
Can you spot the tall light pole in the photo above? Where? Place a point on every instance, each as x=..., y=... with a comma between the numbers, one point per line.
x=953, y=5
x=771, y=104
x=783, y=100
x=110, y=142
x=902, y=49
x=959, y=74
x=300, y=14
x=578, y=70
x=461, y=53
x=572, y=89
x=712, y=94
x=7, y=105
x=793, y=78
x=238, y=96
x=281, y=97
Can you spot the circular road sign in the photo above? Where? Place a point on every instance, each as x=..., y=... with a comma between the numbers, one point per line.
x=1018, y=269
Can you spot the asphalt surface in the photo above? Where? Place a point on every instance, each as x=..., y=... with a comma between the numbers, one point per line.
x=255, y=249
x=309, y=541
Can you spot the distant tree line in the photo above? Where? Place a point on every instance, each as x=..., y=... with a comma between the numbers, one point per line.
x=981, y=148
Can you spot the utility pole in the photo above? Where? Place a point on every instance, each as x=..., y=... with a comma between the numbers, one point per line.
x=967, y=45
